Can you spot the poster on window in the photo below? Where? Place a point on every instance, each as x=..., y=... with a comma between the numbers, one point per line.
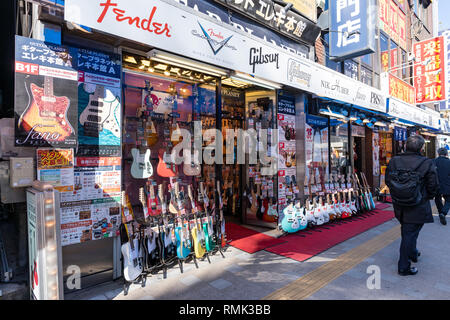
x=56, y=167
x=99, y=103
x=376, y=153
x=45, y=103
x=316, y=148
x=88, y=220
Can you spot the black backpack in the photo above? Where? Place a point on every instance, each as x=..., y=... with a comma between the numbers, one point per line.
x=406, y=186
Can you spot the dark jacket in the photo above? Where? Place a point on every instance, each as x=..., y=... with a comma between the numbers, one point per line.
x=443, y=170
x=430, y=185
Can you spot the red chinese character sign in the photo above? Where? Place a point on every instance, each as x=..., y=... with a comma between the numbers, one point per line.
x=429, y=75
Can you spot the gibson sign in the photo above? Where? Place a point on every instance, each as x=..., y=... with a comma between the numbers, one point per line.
x=272, y=15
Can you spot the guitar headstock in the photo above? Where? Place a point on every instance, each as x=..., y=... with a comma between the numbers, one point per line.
x=190, y=193
x=142, y=197
x=161, y=193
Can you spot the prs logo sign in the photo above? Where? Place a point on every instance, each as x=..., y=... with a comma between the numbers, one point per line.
x=258, y=57
x=375, y=98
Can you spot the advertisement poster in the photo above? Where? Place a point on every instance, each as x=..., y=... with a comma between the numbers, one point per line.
x=95, y=178
x=376, y=153
x=45, y=95
x=429, y=73
x=286, y=150
x=316, y=146
x=56, y=166
x=88, y=220
x=99, y=103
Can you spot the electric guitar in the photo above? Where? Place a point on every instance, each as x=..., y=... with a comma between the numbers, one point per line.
x=300, y=216
x=132, y=266
x=100, y=113
x=318, y=216
x=165, y=167
x=181, y=234
x=141, y=168
x=208, y=224
x=46, y=113
x=372, y=202
x=192, y=167
x=220, y=230
x=290, y=223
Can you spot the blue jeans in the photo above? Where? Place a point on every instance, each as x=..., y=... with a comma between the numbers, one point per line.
x=442, y=207
x=408, y=250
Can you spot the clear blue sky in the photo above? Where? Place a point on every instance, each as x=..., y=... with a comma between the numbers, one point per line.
x=444, y=14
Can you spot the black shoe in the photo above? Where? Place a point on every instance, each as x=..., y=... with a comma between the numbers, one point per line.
x=416, y=258
x=442, y=218
x=409, y=272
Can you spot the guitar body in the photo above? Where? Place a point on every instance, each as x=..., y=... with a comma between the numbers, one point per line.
x=270, y=211
x=50, y=112
x=132, y=265
x=209, y=240
x=164, y=170
x=100, y=112
x=183, y=246
x=300, y=215
x=290, y=222
x=192, y=169
x=141, y=168
x=318, y=215
x=199, y=249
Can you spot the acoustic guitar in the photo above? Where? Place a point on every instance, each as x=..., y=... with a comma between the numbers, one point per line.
x=46, y=113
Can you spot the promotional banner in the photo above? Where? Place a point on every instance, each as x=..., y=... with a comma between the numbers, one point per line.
x=392, y=21
x=353, y=23
x=445, y=105
x=56, y=166
x=397, y=88
x=429, y=70
x=376, y=153
x=45, y=95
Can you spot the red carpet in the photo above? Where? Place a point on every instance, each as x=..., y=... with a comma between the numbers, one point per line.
x=382, y=206
x=302, y=248
x=249, y=240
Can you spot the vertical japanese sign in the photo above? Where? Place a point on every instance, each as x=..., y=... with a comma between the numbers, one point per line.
x=429, y=71
x=445, y=105
x=45, y=95
x=392, y=20
x=353, y=21
x=376, y=153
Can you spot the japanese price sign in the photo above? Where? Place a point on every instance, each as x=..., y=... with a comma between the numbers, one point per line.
x=401, y=90
x=56, y=166
x=429, y=71
x=353, y=21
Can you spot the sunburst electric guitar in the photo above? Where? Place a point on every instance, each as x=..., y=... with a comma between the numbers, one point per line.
x=46, y=113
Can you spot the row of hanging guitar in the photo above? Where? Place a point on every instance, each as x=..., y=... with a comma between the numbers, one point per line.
x=318, y=210
x=174, y=235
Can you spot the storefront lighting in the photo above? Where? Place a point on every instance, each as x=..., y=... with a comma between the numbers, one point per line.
x=256, y=81
x=353, y=116
x=380, y=124
x=166, y=57
x=151, y=69
x=145, y=63
x=359, y=122
x=130, y=59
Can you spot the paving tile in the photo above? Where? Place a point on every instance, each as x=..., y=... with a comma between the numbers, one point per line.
x=442, y=287
x=190, y=280
x=220, y=284
x=234, y=268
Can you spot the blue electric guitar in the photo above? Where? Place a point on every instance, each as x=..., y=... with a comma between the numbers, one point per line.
x=290, y=222
x=181, y=233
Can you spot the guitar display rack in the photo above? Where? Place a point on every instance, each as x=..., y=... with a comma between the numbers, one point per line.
x=356, y=203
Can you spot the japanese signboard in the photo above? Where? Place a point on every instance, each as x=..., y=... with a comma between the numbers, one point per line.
x=445, y=105
x=307, y=8
x=413, y=114
x=272, y=15
x=353, y=23
x=397, y=88
x=392, y=21
x=429, y=70
x=56, y=166
x=45, y=95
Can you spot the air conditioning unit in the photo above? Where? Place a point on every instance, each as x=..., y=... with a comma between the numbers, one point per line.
x=411, y=56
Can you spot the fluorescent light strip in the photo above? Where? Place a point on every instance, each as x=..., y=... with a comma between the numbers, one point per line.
x=185, y=63
x=256, y=81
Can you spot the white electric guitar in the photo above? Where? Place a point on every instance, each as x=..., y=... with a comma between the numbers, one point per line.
x=141, y=168
x=101, y=113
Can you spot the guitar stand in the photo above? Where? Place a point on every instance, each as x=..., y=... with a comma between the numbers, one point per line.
x=142, y=279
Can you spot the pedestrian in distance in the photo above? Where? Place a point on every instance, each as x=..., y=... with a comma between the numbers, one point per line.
x=442, y=163
x=412, y=181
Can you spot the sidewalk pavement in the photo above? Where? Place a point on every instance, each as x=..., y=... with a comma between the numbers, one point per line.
x=243, y=276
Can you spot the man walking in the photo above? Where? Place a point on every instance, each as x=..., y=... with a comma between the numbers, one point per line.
x=442, y=163
x=412, y=181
